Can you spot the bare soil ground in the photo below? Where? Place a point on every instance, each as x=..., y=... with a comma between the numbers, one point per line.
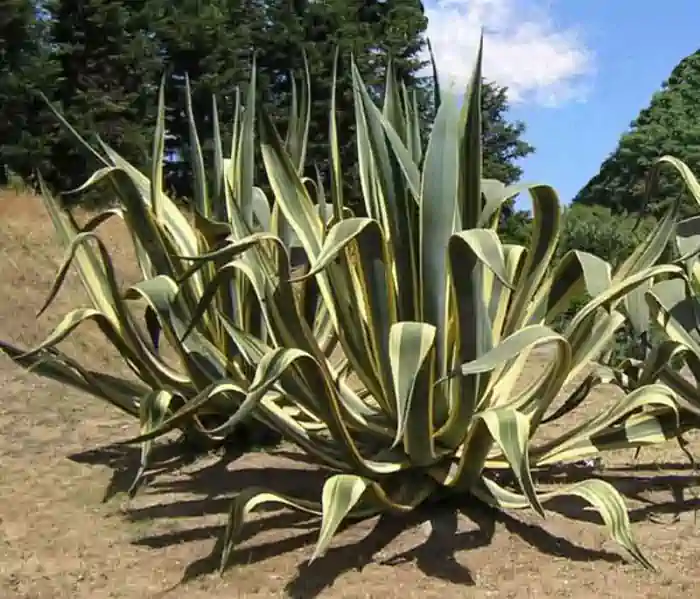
x=67, y=532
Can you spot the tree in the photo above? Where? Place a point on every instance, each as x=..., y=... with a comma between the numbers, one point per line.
x=111, y=54
x=669, y=125
x=503, y=146
x=370, y=30
x=25, y=65
x=374, y=31
x=212, y=43
x=109, y=70
x=502, y=140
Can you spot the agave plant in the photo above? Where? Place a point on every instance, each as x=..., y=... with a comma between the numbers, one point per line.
x=436, y=319
x=166, y=238
x=673, y=305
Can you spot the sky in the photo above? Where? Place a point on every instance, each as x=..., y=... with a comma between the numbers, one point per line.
x=578, y=71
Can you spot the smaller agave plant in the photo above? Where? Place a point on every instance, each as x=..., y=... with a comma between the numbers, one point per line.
x=436, y=318
x=672, y=304
x=167, y=240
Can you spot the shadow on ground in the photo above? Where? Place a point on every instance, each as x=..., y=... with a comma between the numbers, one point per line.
x=207, y=489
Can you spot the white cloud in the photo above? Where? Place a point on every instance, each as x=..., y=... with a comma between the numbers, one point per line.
x=523, y=49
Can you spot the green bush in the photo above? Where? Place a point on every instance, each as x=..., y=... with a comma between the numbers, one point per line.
x=596, y=229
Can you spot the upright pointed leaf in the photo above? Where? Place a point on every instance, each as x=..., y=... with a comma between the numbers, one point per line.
x=158, y=154
x=201, y=196
x=470, y=199
x=438, y=217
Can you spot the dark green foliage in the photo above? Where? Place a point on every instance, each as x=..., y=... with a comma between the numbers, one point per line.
x=515, y=226
x=503, y=143
x=212, y=43
x=110, y=68
x=373, y=31
x=100, y=63
x=598, y=230
x=669, y=125
x=25, y=67
x=503, y=146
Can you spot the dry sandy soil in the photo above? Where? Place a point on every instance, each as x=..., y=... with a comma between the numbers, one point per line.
x=67, y=532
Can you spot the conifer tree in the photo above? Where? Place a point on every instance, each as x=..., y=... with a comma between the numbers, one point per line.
x=212, y=43
x=110, y=67
x=25, y=68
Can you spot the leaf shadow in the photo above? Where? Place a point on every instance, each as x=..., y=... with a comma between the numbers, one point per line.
x=124, y=463
x=204, y=487
x=437, y=555
x=434, y=557
x=550, y=544
x=198, y=486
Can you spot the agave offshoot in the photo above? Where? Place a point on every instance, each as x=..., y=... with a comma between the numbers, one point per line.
x=674, y=305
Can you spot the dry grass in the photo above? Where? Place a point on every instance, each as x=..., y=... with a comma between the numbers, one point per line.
x=60, y=540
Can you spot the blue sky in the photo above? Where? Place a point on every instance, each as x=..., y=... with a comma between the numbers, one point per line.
x=579, y=70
